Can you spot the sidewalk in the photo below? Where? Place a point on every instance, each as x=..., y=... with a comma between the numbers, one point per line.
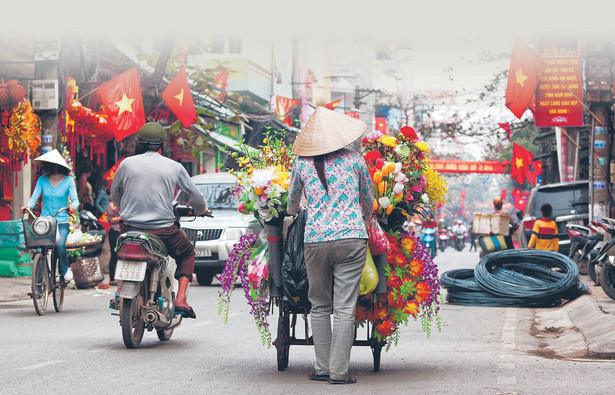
x=594, y=316
x=16, y=288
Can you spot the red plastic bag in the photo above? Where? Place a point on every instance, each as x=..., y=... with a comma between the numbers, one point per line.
x=378, y=243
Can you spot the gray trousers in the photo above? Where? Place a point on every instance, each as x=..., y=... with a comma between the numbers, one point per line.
x=334, y=271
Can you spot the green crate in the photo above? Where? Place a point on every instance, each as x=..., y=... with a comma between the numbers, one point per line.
x=9, y=269
x=11, y=234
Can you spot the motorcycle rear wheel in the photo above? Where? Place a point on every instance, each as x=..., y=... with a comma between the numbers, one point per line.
x=132, y=321
x=607, y=279
x=164, y=334
x=591, y=270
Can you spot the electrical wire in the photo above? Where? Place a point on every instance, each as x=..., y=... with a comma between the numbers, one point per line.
x=515, y=278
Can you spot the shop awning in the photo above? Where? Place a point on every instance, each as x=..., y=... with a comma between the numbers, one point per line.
x=225, y=143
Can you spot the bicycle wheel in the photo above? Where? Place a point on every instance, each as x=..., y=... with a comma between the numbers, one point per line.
x=57, y=283
x=40, y=284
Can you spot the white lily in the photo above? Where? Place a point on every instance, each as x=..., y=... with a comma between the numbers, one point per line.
x=397, y=188
x=397, y=168
x=425, y=198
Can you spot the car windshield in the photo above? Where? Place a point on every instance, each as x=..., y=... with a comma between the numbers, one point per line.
x=565, y=201
x=217, y=196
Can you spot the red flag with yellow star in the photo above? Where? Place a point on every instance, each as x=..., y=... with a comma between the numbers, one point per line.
x=520, y=167
x=334, y=104
x=524, y=72
x=178, y=97
x=123, y=103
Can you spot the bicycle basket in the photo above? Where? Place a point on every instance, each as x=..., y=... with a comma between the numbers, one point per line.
x=41, y=232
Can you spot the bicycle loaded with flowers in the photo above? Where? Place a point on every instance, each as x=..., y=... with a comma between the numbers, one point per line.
x=404, y=184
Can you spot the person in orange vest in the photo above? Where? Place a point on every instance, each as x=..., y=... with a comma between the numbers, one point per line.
x=544, y=233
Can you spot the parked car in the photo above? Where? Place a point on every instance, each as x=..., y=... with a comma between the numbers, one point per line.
x=216, y=236
x=570, y=202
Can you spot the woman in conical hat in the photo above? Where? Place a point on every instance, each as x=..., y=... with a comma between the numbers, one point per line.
x=340, y=197
x=55, y=185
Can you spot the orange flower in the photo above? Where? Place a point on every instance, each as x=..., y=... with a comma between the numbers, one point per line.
x=408, y=244
x=396, y=259
x=416, y=268
x=389, y=209
x=360, y=314
x=411, y=308
x=394, y=282
x=381, y=187
x=422, y=292
x=377, y=177
x=385, y=328
x=375, y=205
x=395, y=301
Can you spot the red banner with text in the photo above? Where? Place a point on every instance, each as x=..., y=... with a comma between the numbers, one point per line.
x=462, y=166
x=559, y=93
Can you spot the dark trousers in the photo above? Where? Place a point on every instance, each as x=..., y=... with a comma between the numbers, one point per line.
x=113, y=235
x=178, y=245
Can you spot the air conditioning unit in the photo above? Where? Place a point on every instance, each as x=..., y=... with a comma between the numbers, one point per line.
x=44, y=94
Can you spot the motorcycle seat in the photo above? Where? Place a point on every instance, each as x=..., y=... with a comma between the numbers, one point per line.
x=596, y=237
x=154, y=241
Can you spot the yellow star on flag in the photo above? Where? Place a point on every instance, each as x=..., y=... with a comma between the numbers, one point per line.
x=124, y=105
x=519, y=162
x=180, y=97
x=520, y=77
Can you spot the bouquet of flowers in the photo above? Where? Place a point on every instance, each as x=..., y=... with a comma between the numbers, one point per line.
x=398, y=167
x=263, y=177
x=404, y=184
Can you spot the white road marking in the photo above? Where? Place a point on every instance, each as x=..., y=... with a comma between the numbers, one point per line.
x=506, y=369
x=42, y=365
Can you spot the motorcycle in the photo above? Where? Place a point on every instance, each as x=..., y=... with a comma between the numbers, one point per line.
x=442, y=239
x=428, y=238
x=605, y=259
x=148, y=287
x=591, y=250
x=578, y=235
x=460, y=239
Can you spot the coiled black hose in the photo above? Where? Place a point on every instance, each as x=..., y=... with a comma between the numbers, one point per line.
x=515, y=278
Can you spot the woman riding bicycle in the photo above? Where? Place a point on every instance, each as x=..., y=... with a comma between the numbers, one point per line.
x=56, y=186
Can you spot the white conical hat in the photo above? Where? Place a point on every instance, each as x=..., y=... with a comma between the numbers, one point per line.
x=327, y=131
x=54, y=157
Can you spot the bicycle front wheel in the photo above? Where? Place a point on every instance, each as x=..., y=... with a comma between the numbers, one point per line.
x=57, y=283
x=40, y=284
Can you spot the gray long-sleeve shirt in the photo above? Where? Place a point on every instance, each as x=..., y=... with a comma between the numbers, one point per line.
x=144, y=188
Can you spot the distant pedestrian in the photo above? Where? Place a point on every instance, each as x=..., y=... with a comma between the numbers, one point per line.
x=473, y=240
x=544, y=233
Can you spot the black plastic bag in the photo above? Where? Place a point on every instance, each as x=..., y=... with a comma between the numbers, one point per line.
x=294, y=274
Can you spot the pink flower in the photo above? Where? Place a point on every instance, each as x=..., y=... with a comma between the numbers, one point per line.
x=417, y=188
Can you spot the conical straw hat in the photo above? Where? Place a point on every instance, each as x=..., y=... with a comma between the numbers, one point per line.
x=327, y=131
x=52, y=156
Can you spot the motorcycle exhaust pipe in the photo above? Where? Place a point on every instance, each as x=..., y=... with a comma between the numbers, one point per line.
x=153, y=317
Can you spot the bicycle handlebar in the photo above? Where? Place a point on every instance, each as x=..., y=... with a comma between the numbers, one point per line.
x=29, y=211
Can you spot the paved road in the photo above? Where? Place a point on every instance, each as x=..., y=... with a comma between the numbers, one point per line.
x=480, y=350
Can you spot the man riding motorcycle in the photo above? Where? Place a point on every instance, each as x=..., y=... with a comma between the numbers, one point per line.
x=144, y=188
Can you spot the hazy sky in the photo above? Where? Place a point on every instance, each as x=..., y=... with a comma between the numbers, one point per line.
x=444, y=17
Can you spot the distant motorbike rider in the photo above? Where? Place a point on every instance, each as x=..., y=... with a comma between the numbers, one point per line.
x=144, y=188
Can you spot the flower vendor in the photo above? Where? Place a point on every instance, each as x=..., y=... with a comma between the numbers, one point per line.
x=340, y=197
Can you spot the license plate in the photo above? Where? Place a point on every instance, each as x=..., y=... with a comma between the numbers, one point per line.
x=575, y=222
x=203, y=252
x=130, y=270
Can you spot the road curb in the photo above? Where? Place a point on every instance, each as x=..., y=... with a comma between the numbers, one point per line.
x=596, y=326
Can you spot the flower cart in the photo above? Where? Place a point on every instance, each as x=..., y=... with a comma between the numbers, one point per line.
x=406, y=284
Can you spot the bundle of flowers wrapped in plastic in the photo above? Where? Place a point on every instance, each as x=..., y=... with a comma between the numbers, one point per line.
x=404, y=184
x=263, y=177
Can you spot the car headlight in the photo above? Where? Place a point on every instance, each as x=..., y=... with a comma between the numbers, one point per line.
x=235, y=233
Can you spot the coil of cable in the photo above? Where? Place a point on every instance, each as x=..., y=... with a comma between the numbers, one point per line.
x=527, y=274
x=515, y=278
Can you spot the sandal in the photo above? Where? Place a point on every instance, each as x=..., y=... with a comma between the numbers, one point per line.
x=318, y=377
x=347, y=380
x=186, y=312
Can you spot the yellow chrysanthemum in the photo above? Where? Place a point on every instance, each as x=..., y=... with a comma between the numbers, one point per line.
x=423, y=146
x=436, y=187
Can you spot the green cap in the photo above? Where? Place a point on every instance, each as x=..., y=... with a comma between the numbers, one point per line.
x=152, y=132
